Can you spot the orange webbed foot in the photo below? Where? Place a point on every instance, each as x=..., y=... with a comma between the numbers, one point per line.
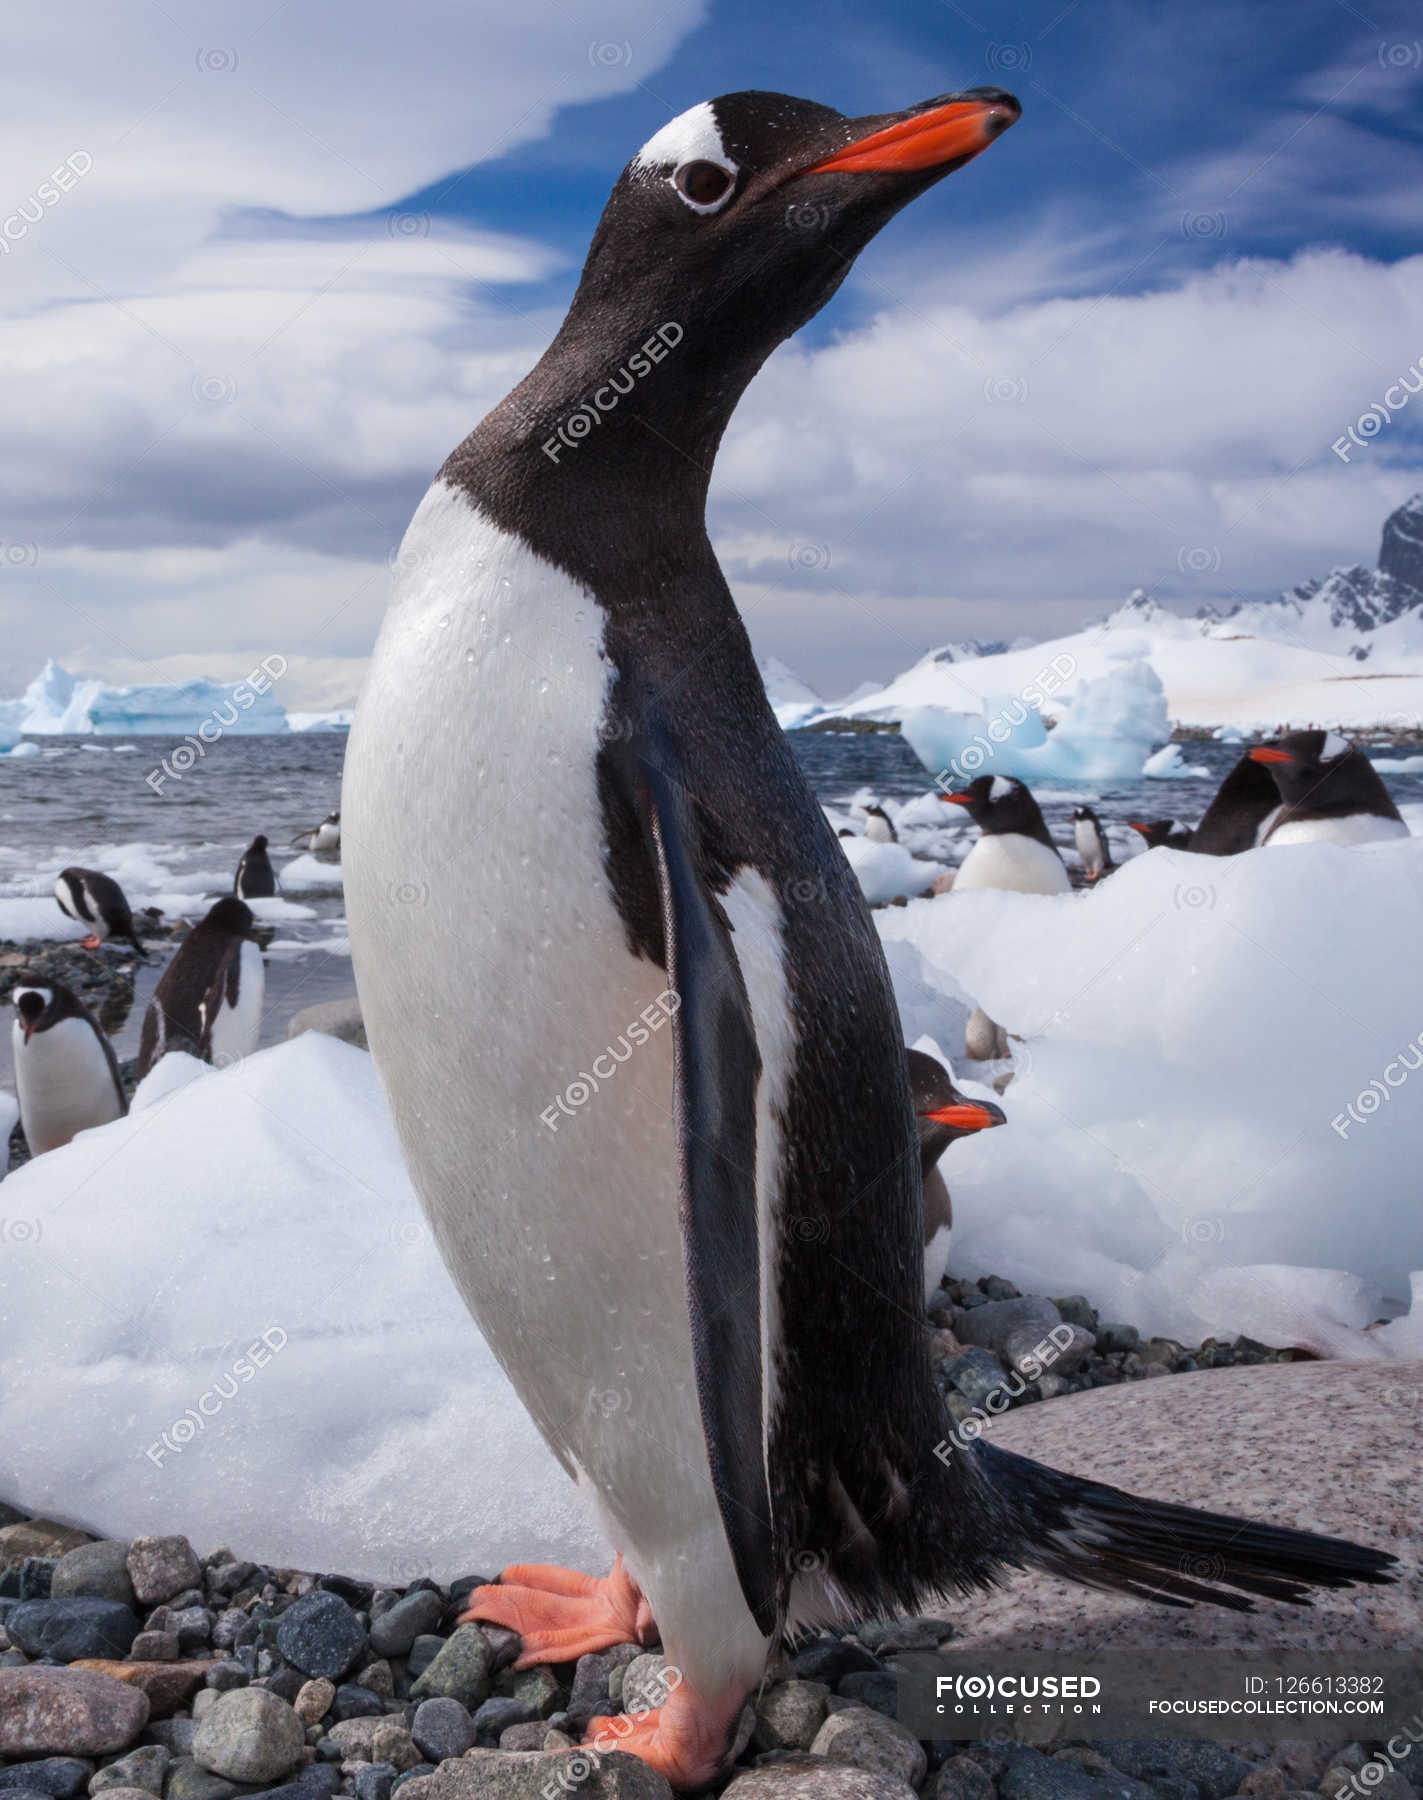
x=561, y=1614
x=687, y=1740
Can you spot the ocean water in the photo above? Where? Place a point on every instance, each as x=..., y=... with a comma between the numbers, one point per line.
x=89, y=801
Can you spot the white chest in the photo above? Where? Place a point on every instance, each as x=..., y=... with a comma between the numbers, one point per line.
x=1009, y=860
x=63, y=1083
x=1354, y=828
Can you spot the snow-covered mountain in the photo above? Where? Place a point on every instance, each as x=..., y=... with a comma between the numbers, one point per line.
x=1346, y=650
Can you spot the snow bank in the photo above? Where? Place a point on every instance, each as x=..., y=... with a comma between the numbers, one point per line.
x=38, y=917
x=229, y=1319
x=1107, y=731
x=1216, y=1120
x=57, y=702
x=885, y=871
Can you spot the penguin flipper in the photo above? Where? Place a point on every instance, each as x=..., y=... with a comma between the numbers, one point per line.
x=717, y=1066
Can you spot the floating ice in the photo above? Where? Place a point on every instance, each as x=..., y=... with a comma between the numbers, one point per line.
x=57, y=702
x=1109, y=728
x=1218, y=1108
x=1168, y=764
x=340, y=1412
x=306, y=871
x=328, y=721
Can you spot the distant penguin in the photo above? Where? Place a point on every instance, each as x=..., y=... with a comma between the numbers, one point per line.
x=97, y=901
x=1014, y=849
x=66, y=1073
x=1168, y=833
x=323, y=839
x=1242, y=804
x=209, y=1001
x=1330, y=792
x=256, y=879
x=1090, y=836
x=942, y=1114
x=879, y=827
x=1014, y=852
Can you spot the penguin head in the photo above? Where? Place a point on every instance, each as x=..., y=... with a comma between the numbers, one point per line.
x=230, y=915
x=1158, y=832
x=1305, y=762
x=258, y=843
x=730, y=228
x=39, y=1003
x=998, y=803
x=1083, y=815
x=941, y=1111
x=331, y=819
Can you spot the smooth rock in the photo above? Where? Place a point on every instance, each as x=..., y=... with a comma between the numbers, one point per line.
x=417, y=1615
x=460, y=1671
x=314, y=1700
x=37, y=1537
x=154, y=1646
x=870, y=1741
x=961, y=1778
x=353, y=1737
x=830, y=1659
x=1308, y=1444
x=526, y=1775
x=1029, y=1775
x=98, y=1571
x=167, y=1684
x=812, y=1778
x=392, y=1743
x=789, y=1714
x=645, y=1686
x=356, y=1702
x=61, y=1777
x=175, y=1735
x=142, y=1768
x=249, y=1735
x=187, y=1780
x=878, y=1689
x=373, y=1781
x=442, y=1728
x=66, y=1630
x=70, y=1712
x=321, y=1635
x=160, y=1567
x=1214, y=1770
x=337, y=1018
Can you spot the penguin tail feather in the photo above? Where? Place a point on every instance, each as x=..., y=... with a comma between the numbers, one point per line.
x=1104, y=1538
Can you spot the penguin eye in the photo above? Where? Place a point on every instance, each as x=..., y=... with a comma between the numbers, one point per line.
x=704, y=185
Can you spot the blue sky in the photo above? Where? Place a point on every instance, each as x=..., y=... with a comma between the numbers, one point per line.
x=311, y=250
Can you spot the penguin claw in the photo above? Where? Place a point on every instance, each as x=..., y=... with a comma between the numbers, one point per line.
x=561, y=1614
x=91, y=942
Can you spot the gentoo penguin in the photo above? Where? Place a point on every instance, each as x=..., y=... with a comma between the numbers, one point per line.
x=1330, y=793
x=1014, y=849
x=97, y=901
x=942, y=1114
x=1090, y=836
x=639, y=1039
x=255, y=878
x=323, y=839
x=209, y=1001
x=66, y=1073
x=1242, y=803
x=879, y=827
x=1170, y=833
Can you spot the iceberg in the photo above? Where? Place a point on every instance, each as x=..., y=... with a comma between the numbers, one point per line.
x=1111, y=725
x=57, y=703
x=793, y=701
x=340, y=720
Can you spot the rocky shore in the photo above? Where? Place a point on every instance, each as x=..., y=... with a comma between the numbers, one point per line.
x=144, y=1672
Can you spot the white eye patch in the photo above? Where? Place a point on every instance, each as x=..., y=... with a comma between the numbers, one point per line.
x=1001, y=788
x=693, y=137
x=1334, y=746
x=43, y=995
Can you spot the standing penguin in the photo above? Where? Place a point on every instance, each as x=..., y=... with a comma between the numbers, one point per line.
x=1014, y=849
x=97, y=900
x=1015, y=852
x=1330, y=792
x=879, y=827
x=1090, y=836
x=255, y=879
x=942, y=1114
x=209, y=1001
x=66, y=1073
x=1159, y=834
x=1233, y=820
x=640, y=865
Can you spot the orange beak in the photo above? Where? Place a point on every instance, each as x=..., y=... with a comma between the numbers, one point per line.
x=957, y=799
x=1266, y=753
x=949, y=133
x=1143, y=829
x=966, y=1115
